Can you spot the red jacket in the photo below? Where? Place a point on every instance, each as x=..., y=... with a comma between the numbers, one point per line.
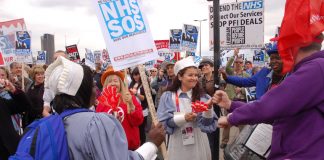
x=130, y=123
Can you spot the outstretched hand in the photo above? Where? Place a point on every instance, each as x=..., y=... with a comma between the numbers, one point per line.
x=223, y=122
x=221, y=99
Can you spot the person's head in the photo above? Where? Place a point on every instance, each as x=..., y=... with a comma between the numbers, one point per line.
x=4, y=73
x=169, y=68
x=305, y=51
x=238, y=64
x=71, y=83
x=59, y=53
x=206, y=66
x=248, y=65
x=98, y=67
x=186, y=78
x=37, y=74
x=113, y=78
x=276, y=63
x=16, y=68
x=135, y=76
x=255, y=70
x=153, y=72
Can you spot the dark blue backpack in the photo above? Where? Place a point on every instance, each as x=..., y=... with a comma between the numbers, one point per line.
x=45, y=139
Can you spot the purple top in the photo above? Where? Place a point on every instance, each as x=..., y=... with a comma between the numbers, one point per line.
x=296, y=108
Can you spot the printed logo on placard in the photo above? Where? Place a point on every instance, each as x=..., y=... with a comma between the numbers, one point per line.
x=123, y=18
x=252, y=5
x=235, y=35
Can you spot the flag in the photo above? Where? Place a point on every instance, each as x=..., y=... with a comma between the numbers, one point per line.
x=303, y=21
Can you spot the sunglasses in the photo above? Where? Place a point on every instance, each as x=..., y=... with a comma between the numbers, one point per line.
x=153, y=71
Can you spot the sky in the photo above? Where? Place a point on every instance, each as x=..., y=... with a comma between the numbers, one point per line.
x=75, y=21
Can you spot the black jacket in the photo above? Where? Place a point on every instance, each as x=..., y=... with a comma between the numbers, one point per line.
x=9, y=138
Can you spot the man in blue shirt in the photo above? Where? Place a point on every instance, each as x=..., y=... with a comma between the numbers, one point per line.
x=265, y=79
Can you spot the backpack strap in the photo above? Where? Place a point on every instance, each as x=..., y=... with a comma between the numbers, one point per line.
x=73, y=111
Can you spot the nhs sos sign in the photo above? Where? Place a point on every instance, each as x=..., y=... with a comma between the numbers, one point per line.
x=122, y=17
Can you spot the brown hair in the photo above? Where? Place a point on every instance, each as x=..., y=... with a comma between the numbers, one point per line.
x=197, y=91
x=35, y=70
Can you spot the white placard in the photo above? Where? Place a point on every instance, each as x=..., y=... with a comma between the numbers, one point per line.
x=260, y=139
x=126, y=32
x=241, y=25
x=89, y=59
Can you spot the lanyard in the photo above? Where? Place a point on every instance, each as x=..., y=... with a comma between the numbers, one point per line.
x=177, y=102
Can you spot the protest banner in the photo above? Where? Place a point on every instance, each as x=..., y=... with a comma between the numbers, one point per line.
x=41, y=57
x=241, y=25
x=97, y=56
x=259, y=58
x=189, y=38
x=126, y=32
x=89, y=59
x=2, y=62
x=8, y=50
x=106, y=59
x=259, y=141
x=8, y=31
x=149, y=65
x=73, y=53
x=165, y=54
x=23, y=51
x=246, y=54
x=175, y=40
x=10, y=28
x=105, y=56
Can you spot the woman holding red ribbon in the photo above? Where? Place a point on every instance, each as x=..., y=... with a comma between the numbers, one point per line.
x=116, y=100
x=186, y=113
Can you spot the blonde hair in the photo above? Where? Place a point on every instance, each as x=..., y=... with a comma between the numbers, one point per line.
x=35, y=70
x=122, y=87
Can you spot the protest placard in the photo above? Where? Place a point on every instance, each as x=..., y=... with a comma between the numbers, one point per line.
x=23, y=51
x=73, y=53
x=8, y=50
x=89, y=59
x=175, y=40
x=8, y=31
x=259, y=140
x=126, y=32
x=105, y=56
x=241, y=25
x=97, y=56
x=2, y=62
x=189, y=38
x=41, y=57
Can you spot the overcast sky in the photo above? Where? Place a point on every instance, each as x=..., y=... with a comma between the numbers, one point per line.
x=76, y=19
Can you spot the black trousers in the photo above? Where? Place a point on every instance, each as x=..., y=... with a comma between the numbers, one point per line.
x=142, y=131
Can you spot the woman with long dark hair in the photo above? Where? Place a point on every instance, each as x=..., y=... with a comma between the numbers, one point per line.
x=185, y=127
x=137, y=89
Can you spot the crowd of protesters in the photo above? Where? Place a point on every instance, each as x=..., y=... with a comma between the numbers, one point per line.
x=174, y=86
